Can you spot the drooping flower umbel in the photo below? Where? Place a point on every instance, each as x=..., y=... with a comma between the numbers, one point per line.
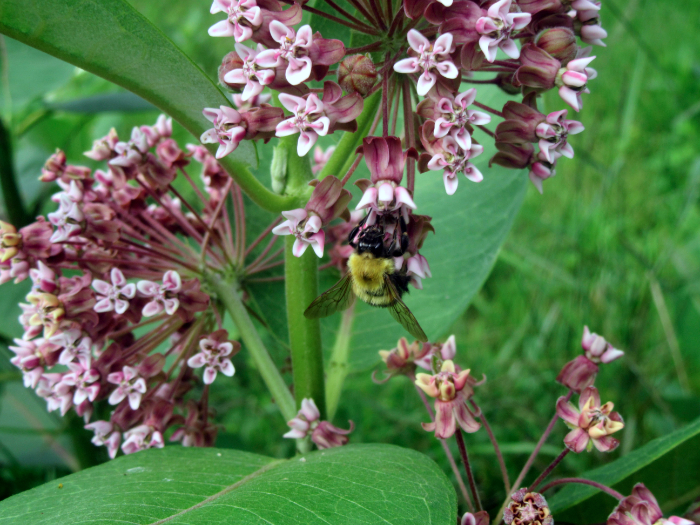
x=121, y=255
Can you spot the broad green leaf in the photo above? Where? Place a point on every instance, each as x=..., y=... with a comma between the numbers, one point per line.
x=111, y=39
x=24, y=66
x=669, y=466
x=368, y=484
x=100, y=103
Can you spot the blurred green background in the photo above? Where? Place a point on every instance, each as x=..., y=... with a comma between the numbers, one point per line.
x=613, y=243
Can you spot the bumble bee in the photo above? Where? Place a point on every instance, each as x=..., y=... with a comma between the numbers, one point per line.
x=372, y=277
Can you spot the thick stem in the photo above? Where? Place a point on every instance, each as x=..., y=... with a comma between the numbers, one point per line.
x=229, y=295
x=533, y=456
x=546, y=472
x=410, y=135
x=600, y=486
x=467, y=466
x=496, y=448
x=342, y=157
x=338, y=365
x=448, y=452
x=12, y=198
x=301, y=286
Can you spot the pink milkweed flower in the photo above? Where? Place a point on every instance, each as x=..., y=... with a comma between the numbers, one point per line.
x=581, y=372
x=72, y=344
x=240, y=16
x=321, y=158
x=306, y=228
x=456, y=117
x=572, y=81
x=383, y=193
x=443, y=351
x=589, y=26
x=323, y=434
x=308, y=120
x=31, y=357
x=140, y=438
x=250, y=73
x=451, y=390
x=496, y=29
x=227, y=131
x=113, y=297
x=417, y=268
x=82, y=377
x=129, y=384
x=642, y=508
x=454, y=160
x=215, y=354
x=427, y=59
x=58, y=395
x=527, y=508
x=164, y=296
x=105, y=434
x=553, y=135
x=68, y=220
x=592, y=424
x=103, y=148
x=294, y=48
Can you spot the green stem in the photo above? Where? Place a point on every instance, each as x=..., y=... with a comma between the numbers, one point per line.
x=14, y=204
x=344, y=153
x=301, y=284
x=229, y=295
x=338, y=366
x=258, y=193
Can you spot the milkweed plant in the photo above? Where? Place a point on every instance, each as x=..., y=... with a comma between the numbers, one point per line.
x=134, y=281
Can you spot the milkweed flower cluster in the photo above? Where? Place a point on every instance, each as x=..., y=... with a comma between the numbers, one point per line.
x=539, y=41
x=122, y=277
x=642, y=508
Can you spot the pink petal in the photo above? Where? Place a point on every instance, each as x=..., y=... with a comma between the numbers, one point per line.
x=235, y=76
x=116, y=397
x=574, y=78
x=268, y=58
x=151, y=309
x=447, y=69
x=298, y=70
x=407, y=65
x=443, y=44
x=570, y=97
x=306, y=141
x=567, y=411
x=227, y=368
x=463, y=138
x=279, y=31
x=445, y=423
x=465, y=419
x=101, y=287
x=473, y=173
x=171, y=306
x=222, y=28
x=197, y=360
x=368, y=198
x=509, y=48
x=467, y=98
x=451, y=182
x=317, y=242
x=487, y=45
x=417, y=41
x=579, y=64
x=209, y=375
x=299, y=247
x=404, y=197
x=425, y=82
x=577, y=440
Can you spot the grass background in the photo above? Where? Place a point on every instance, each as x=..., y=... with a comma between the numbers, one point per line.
x=614, y=243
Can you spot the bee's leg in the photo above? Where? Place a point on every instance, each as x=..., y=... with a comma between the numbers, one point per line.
x=403, y=241
x=356, y=230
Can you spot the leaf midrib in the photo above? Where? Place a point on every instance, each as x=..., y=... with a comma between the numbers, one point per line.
x=224, y=491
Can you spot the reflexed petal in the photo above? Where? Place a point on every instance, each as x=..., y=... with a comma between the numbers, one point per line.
x=299, y=247
x=407, y=65
x=577, y=440
x=519, y=20
x=463, y=138
x=570, y=97
x=268, y=58
x=425, y=82
x=317, y=243
x=210, y=136
x=447, y=69
x=222, y=28
x=509, y=48
x=104, y=305
x=171, y=306
x=606, y=443
x=101, y=287
x=278, y=31
x=307, y=139
x=451, y=182
x=467, y=98
x=116, y=397
x=567, y=411
x=235, y=76
x=152, y=308
x=403, y=196
x=489, y=47
x=251, y=90
x=134, y=400
x=443, y=44
x=574, y=78
x=209, y=375
x=286, y=127
x=197, y=360
x=445, y=422
x=298, y=70
x=465, y=418
x=442, y=127
x=417, y=41
x=368, y=198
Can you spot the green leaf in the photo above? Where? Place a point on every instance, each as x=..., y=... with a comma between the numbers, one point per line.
x=370, y=484
x=100, y=103
x=668, y=466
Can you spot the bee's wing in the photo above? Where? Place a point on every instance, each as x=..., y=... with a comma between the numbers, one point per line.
x=402, y=314
x=337, y=298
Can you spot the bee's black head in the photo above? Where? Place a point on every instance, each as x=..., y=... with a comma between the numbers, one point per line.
x=372, y=240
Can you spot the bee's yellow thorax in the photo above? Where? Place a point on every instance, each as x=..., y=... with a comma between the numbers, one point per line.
x=368, y=277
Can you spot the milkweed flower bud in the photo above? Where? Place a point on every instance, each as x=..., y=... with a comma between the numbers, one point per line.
x=642, y=508
x=581, y=372
x=357, y=74
x=451, y=390
x=591, y=424
x=527, y=508
x=322, y=433
x=560, y=42
x=478, y=518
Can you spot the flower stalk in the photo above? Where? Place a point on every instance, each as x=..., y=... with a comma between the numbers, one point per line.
x=338, y=365
x=467, y=466
x=231, y=298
